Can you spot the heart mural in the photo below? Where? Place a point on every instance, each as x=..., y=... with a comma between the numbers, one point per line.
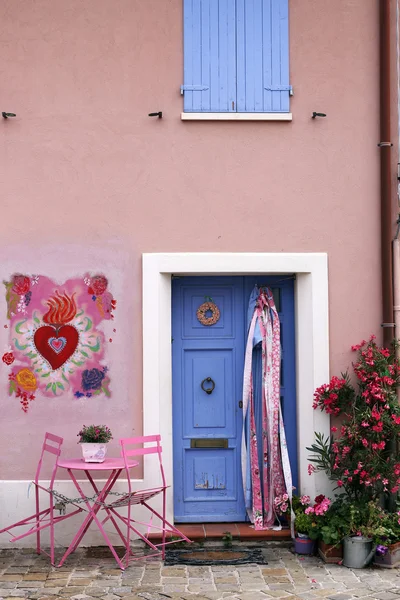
x=57, y=337
x=56, y=346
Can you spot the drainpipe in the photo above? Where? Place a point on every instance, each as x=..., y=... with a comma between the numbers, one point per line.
x=386, y=175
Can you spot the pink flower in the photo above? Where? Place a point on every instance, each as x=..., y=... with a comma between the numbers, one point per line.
x=309, y=511
x=340, y=483
x=364, y=442
x=334, y=429
x=364, y=424
x=305, y=500
x=311, y=469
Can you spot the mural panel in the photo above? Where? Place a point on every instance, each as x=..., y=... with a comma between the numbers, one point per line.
x=57, y=343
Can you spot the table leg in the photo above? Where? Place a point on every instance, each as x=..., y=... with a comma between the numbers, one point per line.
x=109, y=514
x=92, y=516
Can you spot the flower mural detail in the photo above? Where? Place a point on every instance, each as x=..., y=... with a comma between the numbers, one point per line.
x=92, y=379
x=26, y=379
x=8, y=358
x=56, y=342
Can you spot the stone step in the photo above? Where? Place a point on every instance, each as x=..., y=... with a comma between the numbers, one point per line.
x=217, y=531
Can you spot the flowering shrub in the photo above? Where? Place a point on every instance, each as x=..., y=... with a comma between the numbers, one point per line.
x=95, y=434
x=358, y=459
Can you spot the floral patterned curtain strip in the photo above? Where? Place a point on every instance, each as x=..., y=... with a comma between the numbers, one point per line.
x=265, y=462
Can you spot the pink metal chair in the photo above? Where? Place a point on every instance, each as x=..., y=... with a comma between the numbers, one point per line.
x=43, y=519
x=142, y=498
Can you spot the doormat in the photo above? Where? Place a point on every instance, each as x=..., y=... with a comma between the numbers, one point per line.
x=238, y=555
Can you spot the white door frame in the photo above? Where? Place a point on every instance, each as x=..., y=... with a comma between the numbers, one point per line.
x=312, y=342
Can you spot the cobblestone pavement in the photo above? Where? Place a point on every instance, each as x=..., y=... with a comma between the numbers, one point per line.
x=90, y=574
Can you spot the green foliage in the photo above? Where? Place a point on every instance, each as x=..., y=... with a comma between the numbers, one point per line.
x=95, y=434
x=227, y=539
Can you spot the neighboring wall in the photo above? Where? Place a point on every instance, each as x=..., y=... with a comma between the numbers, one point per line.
x=89, y=182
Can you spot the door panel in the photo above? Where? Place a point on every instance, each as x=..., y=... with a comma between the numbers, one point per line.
x=207, y=479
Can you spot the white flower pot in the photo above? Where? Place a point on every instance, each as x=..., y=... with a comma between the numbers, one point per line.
x=94, y=452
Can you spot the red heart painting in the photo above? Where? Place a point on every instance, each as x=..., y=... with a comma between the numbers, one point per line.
x=56, y=346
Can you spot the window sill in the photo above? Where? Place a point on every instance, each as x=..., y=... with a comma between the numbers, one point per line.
x=200, y=116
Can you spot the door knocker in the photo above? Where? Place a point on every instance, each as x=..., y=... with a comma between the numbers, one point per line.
x=210, y=389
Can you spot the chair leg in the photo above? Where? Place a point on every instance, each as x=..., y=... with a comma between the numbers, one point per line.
x=163, y=523
x=52, y=530
x=37, y=520
x=128, y=538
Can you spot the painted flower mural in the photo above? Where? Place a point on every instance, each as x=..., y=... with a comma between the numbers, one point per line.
x=57, y=339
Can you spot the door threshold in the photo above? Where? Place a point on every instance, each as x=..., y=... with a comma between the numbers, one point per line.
x=216, y=531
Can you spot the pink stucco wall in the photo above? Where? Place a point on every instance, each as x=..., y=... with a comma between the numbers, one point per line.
x=88, y=180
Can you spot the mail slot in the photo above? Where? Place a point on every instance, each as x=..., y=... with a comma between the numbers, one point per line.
x=208, y=443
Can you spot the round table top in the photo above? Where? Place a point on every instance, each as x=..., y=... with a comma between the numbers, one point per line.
x=108, y=464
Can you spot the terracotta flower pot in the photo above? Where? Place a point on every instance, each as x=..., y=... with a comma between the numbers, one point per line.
x=330, y=553
x=389, y=560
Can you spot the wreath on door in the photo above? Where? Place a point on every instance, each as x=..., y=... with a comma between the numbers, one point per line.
x=202, y=311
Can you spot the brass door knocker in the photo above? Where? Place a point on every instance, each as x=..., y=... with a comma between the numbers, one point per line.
x=210, y=389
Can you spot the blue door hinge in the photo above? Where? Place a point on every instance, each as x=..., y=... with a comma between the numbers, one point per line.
x=193, y=88
x=279, y=88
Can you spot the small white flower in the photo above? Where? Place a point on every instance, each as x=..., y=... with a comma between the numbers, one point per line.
x=35, y=279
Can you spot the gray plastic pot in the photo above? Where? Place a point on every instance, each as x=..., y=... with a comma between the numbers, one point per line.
x=358, y=552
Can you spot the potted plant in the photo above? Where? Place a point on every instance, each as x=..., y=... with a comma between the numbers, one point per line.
x=387, y=552
x=306, y=522
x=93, y=440
x=332, y=530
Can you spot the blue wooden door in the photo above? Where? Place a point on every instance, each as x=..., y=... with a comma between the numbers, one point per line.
x=207, y=427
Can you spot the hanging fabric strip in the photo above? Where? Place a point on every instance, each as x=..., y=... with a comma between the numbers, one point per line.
x=265, y=455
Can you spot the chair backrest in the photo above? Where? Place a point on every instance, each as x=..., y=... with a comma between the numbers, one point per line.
x=148, y=444
x=52, y=447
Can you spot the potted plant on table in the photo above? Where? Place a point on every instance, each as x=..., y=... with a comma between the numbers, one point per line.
x=94, y=440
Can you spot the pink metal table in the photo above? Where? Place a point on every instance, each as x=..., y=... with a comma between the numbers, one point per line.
x=116, y=466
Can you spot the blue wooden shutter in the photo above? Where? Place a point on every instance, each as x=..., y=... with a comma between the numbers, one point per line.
x=262, y=56
x=209, y=56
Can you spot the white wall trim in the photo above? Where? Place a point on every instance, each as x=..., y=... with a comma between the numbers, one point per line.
x=200, y=116
x=312, y=341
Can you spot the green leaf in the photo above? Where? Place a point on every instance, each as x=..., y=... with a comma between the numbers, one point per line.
x=35, y=317
x=65, y=379
x=77, y=363
x=19, y=325
x=45, y=375
x=60, y=385
x=48, y=386
x=12, y=388
x=106, y=391
x=88, y=324
x=84, y=353
x=54, y=388
x=96, y=392
x=94, y=348
x=18, y=345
